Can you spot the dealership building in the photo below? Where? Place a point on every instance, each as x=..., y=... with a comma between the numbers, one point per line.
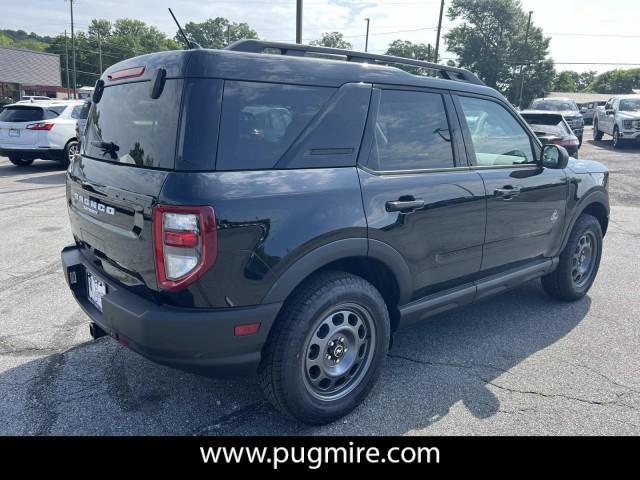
x=27, y=72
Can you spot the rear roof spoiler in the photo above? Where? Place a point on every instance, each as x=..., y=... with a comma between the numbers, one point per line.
x=297, y=50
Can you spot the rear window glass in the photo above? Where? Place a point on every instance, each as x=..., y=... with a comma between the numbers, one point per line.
x=21, y=114
x=128, y=126
x=411, y=132
x=547, y=124
x=260, y=121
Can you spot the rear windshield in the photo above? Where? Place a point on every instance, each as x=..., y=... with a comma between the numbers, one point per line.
x=128, y=126
x=554, y=105
x=22, y=114
x=547, y=124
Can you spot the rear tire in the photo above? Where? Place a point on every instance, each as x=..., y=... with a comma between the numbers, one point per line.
x=21, y=162
x=579, y=262
x=597, y=134
x=327, y=348
x=71, y=149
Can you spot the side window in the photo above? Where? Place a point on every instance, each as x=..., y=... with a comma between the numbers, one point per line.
x=260, y=121
x=498, y=138
x=411, y=132
x=75, y=112
x=54, y=112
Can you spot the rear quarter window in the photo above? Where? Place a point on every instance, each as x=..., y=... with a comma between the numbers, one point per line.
x=260, y=121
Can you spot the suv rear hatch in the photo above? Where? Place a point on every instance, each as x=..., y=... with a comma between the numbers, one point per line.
x=129, y=150
x=21, y=125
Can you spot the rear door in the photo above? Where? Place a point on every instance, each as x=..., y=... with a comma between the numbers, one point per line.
x=130, y=149
x=525, y=201
x=420, y=197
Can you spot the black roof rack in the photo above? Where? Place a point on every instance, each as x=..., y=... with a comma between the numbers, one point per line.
x=294, y=49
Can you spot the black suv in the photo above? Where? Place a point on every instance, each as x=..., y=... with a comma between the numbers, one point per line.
x=267, y=209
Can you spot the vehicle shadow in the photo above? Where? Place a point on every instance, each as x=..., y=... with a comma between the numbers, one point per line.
x=607, y=144
x=8, y=169
x=99, y=387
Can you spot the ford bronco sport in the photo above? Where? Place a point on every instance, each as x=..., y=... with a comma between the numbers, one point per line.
x=283, y=214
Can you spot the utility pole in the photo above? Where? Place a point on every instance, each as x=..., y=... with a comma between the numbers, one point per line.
x=366, y=40
x=228, y=34
x=526, y=47
x=428, y=52
x=438, y=34
x=298, y=21
x=66, y=55
x=73, y=54
x=100, y=50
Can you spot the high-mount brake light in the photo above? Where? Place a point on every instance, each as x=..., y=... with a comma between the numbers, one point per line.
x=185, y=244
x=127, y=73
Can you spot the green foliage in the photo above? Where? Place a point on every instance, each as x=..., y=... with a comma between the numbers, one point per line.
x=616, y=81
x=490, y=41
x=22, y=39
x=213, y=32
x=570, y=81
x=333, y=40
x=415, y=51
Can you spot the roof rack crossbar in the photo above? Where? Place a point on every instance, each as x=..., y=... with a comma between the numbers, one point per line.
x=294, y=49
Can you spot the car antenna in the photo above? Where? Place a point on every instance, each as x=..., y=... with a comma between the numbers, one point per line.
x=190, y=44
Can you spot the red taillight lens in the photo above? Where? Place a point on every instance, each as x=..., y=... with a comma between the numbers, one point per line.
x=567, y=143
x=40, y=126
x=185, y=244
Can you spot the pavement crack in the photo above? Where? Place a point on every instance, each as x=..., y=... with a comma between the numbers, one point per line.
x=432, y=363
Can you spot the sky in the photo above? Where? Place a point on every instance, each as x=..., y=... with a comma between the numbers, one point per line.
x=581, y=31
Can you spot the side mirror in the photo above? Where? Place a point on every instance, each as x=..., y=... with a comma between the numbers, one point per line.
x=610, y=111
x=554, y=156
x=583, y=110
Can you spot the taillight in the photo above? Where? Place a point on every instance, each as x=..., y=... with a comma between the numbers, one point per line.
x=40, y=126
x=567, y=143
x=185, y=244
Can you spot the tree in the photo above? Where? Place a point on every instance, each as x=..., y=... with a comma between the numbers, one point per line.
x=407, y=49
x=491, y=42
x=566, y=81
x=585, y=79
x=333, y=40
x=616, y=81
x=123, y=39
x=216, y=32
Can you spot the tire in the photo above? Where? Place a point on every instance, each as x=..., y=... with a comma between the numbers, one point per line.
x=597, y=134
x=70, y=149
x=617, y=143
x=569, y=281
x=297, y=358
x=21, y=162
x=579, y=141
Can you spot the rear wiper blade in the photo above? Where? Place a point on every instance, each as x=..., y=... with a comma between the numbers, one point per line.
x=107, y=147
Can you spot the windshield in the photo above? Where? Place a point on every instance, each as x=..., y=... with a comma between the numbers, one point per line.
x=547, y=124
x=128, y=126
x=554, y=105
x=629, y=104
x=21, y=114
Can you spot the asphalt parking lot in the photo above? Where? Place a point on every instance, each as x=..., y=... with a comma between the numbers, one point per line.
x=514, y=364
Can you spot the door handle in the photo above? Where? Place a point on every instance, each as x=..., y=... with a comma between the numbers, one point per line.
x=507, y=192
x=404, y=206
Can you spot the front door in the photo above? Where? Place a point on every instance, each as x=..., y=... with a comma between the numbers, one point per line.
x=525, y=201
x=419, y=196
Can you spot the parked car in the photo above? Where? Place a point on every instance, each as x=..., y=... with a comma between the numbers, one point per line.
x=39, y=130
x=295, y=251
x=588, y=111
x=619, y=118
x=569, y=111
x=81, y=123
x=552, y=128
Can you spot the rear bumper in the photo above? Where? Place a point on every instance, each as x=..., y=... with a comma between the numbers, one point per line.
x=201, y=339
x=21, y=151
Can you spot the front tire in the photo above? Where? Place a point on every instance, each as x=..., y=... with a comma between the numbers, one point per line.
x=597, y=134
x=21, y=162
x=617, y=143
x=327, y=348
x=71, y=149
x=579, y=261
